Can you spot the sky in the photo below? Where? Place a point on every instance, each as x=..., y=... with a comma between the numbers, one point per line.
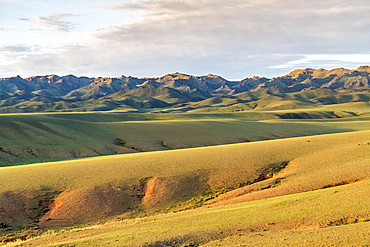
x=147, y=38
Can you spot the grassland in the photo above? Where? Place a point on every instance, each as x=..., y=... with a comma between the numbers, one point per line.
x=32, y=138
x=282, y=182
x=87, y=190
x=267, y=222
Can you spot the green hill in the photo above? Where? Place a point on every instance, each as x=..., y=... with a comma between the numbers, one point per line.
x=30, y=138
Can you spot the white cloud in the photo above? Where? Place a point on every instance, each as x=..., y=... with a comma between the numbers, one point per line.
x=15, y=48
x=326, y=60
x=234, y=38
x=244, y=26
x=54, y=22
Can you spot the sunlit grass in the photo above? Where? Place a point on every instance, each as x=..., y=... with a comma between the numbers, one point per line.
x=340, y=205
x=31, y=138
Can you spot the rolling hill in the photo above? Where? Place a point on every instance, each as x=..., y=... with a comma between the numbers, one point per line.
x=32, y=137
x=239, y=191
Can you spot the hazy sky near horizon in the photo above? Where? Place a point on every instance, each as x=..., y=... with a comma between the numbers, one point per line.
x=146, y=38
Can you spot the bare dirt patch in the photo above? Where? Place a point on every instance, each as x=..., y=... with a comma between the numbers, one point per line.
x=84, y=205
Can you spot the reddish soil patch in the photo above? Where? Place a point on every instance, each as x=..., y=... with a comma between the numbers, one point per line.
x=53, y=207
x=85, y=205
x=343, y=183
x=158, y=192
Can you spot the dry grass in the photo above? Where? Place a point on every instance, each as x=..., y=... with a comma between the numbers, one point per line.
x=32, y=138
x=260, y=197
x=246, y=222
x=106, y=186
x=339, y=161
x=345, y=235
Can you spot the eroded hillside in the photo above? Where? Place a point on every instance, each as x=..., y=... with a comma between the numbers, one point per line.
x=53, y=195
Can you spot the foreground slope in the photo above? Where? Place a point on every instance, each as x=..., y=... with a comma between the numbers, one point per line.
x=88, y=190
x=306, y=219
x=352, y=234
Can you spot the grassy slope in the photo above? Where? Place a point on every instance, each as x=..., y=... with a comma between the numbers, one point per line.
x=189, y=173
x=342, y=160
x=248, y=223
x=235, y=155
x=344, y=235
x=97, y=188
x=262, y=101
x=31, y=138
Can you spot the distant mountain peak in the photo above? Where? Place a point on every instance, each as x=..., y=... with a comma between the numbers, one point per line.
x=18, y=94
x=213, y=76
x=365, y=68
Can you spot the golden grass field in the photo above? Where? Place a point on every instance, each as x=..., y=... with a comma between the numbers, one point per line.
x=286, y=182
x=280, y=221
x=40, y=137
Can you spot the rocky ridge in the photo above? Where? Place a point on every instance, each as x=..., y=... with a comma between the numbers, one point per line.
x=71, y=93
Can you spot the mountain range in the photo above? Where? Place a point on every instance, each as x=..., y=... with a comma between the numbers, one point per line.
x=181, y=92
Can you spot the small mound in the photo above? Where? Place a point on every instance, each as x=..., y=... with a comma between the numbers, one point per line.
x=85, y=205
x=163, y=192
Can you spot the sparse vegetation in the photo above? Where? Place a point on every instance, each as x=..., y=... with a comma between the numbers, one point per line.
x=151, y=183
x=32, y=138
x=244, y=223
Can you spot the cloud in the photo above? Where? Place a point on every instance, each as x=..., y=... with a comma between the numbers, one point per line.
x=16, y=48
x=163, y=6
x=185, y=30
x=234, y=38
x=54, y=22
x=249, y=26
x=326, y=60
